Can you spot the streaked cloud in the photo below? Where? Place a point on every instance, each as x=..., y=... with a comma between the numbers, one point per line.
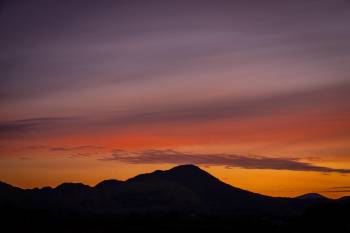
x=340, y=189
x=332, y=98
x=227, y=160
x=28, y=127
x=337, y=191
x=336, y=97
x=76, y=148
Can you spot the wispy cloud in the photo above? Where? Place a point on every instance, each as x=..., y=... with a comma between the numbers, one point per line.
x=339, y=189
x=80, y=151
x=270, y=105
x=31, y=125
x=228, y=160
x=229, y=108
x=336, y=191
x=76, y=148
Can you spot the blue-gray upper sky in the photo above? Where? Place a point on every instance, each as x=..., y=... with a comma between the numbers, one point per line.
x=82, y=57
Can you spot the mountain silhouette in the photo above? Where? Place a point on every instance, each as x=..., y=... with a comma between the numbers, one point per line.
x=72, y=187
x=189, y=187
x=180, y=195
x=108, y=184
x=4, y=187
x=313, y=196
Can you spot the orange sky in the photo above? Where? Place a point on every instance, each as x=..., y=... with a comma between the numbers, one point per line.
x=39, y=160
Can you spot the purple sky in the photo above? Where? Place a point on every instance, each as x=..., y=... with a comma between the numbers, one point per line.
x=79, y=57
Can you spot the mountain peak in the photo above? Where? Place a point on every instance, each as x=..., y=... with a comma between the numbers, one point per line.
x=190, y=171
x=72, y=187
x=312, y=196
x=111, y=183
x=182, y=172
x=186, y=167
x=7, y=187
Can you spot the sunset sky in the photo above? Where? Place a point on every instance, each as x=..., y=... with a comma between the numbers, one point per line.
x=255, y=92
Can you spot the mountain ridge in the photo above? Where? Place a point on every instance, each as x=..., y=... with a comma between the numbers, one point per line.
x=312, y=196
x=179, y=199
x=185, y=171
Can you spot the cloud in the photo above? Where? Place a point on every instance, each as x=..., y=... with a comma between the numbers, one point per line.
x=333, y=98
x=81, y=151
x=75, y=61
x=298, y=101
x=228, y=160
x=339, y=189
x=35, y=147
x=31, y=125
x=76, y=148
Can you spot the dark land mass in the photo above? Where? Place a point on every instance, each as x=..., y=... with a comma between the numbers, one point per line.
x=182, y=199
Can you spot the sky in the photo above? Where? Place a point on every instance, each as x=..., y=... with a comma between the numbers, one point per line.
x=255, y=92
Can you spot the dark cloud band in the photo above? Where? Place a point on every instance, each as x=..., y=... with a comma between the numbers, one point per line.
x=228, y=160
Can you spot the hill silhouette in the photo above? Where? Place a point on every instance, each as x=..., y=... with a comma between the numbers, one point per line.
x=313, y=197
x=182, y=198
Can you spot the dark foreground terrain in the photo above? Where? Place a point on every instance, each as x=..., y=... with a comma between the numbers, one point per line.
x=182, y=199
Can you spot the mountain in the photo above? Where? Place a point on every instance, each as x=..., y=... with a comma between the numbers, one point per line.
x=8, y=192
x=72, y=187
x=184, y=198
x=185, y=188
x=108, y=184
x=313, y=196
x=189, y=187
x=346, y=199
x=4, y=187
